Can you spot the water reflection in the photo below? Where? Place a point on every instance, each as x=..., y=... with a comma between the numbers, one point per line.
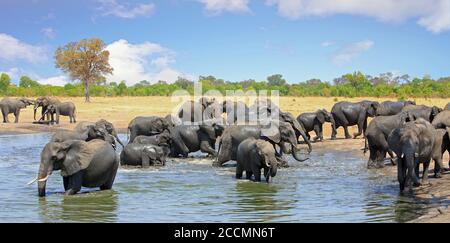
x=93, y=206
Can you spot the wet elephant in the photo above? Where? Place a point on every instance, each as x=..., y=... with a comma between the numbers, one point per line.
x=144, y=155
x=390, y=108
x=99, y=125
x=314, y=121
x=147, y=125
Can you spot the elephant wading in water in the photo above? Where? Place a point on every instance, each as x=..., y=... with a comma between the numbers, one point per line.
x=417, y=142
x=62, y=109
x=277, y=133
x=314, y=121
x=144, y=155
x=147, y=125
x=390, y=108
x=101, y=124
x=8, y=106
x=347, y=114
x=376, y=137
x=158, y=139
x=192, y=138
x=254, y=155
x=82, y=164
x=44, y=102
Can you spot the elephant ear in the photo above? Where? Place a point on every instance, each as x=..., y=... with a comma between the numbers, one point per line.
x=79, y=155
x=209, y=130
x=271, y=132
x=320, y=116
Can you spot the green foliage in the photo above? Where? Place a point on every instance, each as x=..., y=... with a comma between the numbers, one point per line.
x=349, y=85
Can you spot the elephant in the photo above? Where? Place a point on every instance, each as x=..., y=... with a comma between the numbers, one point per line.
x=376, y=136
x=144, y=155
x=192, y=111
x=252, y=156
x=447, y=107
x=414, y=143
x=62, y=109
x=298, y=127
x=146, y=125
x=423, y=111
x=100, y=124
x=442, y=120
x=390, y=108
x=90, y=133
x=88, y=164
x=314, y=121
x=277, y=133
x=44, y=102
x=349, y=114
x=192, y=138
x=237, y=112
x=158, y=139
x=8, y=106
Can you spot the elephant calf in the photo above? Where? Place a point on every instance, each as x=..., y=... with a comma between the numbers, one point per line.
x=254, y=155
x=158, y=139
x=143, y=155
x=314, y=121
x=63, y=109
x=88, y=164
x=8, y=106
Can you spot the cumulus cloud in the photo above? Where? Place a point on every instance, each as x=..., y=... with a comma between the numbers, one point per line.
x=136, y=62
x=49, y=32
x=125, y=10
x=12, y=49
x=347, y=53
x=215, y=7
x=60, y=80
x=434, y=15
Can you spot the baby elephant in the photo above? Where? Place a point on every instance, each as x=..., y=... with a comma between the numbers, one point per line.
x=144, y=155
x=314, y=121
x=254, y=155
x=63, y=109
x=158, y=139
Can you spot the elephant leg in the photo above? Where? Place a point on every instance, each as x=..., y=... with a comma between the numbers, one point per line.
x=66, y=183
x=16, y=114
x=425, y=172
x=145, y=160
x=5, y=116
x=347, y=134
x=108, y=185
x=257, y=173
x=401, y=174
x=362, y=125
x=321, y=132
x=75, y=182
x=317, y=132
x=248, y=174
x=391, y=154
x=206, y=148
x=334, y=131
x=239, y=171
x=342, y=122
x=438, y=167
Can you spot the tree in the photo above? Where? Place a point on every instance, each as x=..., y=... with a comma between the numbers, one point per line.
x=5, y=81
x=27, y=82
x=183, y=83
x=85, y=60
x=276, y=80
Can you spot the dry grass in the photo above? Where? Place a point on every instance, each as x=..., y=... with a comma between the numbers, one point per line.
x=120, y=110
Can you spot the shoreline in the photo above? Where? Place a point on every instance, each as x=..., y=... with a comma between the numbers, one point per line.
x=438, y=191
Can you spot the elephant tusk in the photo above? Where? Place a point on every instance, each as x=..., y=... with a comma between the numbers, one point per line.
x=32, y=181
x=44, y=179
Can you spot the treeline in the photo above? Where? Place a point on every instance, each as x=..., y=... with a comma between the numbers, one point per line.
x=349, y=85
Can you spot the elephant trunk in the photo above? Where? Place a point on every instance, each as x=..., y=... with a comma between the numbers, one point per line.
x=45, y=170
x=296, y=153
x=35, y=109
x=301, y=130
x=118, y=139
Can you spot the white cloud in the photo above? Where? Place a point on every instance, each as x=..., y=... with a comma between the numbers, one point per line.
x=347, y=53
x=327, y=43
x=215, y=7
x=49, y=32
x=136, y=62
x=60, y=80
x=12, y=49
x=434, y=15
x=125, y=10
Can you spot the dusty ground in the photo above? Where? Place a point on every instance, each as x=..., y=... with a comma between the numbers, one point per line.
x=120, y=110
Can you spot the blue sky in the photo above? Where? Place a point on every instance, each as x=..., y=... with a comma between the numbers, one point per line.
x=231, y=39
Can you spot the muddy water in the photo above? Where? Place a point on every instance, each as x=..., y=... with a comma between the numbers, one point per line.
x=333, y=186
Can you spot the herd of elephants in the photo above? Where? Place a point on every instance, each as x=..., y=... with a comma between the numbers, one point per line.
x=254, y=136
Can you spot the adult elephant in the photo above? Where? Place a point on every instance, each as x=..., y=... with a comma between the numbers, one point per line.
x=277, y=133
x=442, y=120
x=376, y=137
x=8, y=106
x=91, y=132
x=347, y=114
x=192, y=111
x=237, y=112
x=44, y=102
x=254, y=155
x=146, y=125
x=163, y=138
x=144, y=155
x=314, y=121
x=390, y=108
x=423, y=111
x=192, y=138
x=88, y=164
x=61, y=109
x=298, y=127
x=100, y=124
x=417, y=142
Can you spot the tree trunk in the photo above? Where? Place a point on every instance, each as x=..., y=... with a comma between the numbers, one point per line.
x=86, y=91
